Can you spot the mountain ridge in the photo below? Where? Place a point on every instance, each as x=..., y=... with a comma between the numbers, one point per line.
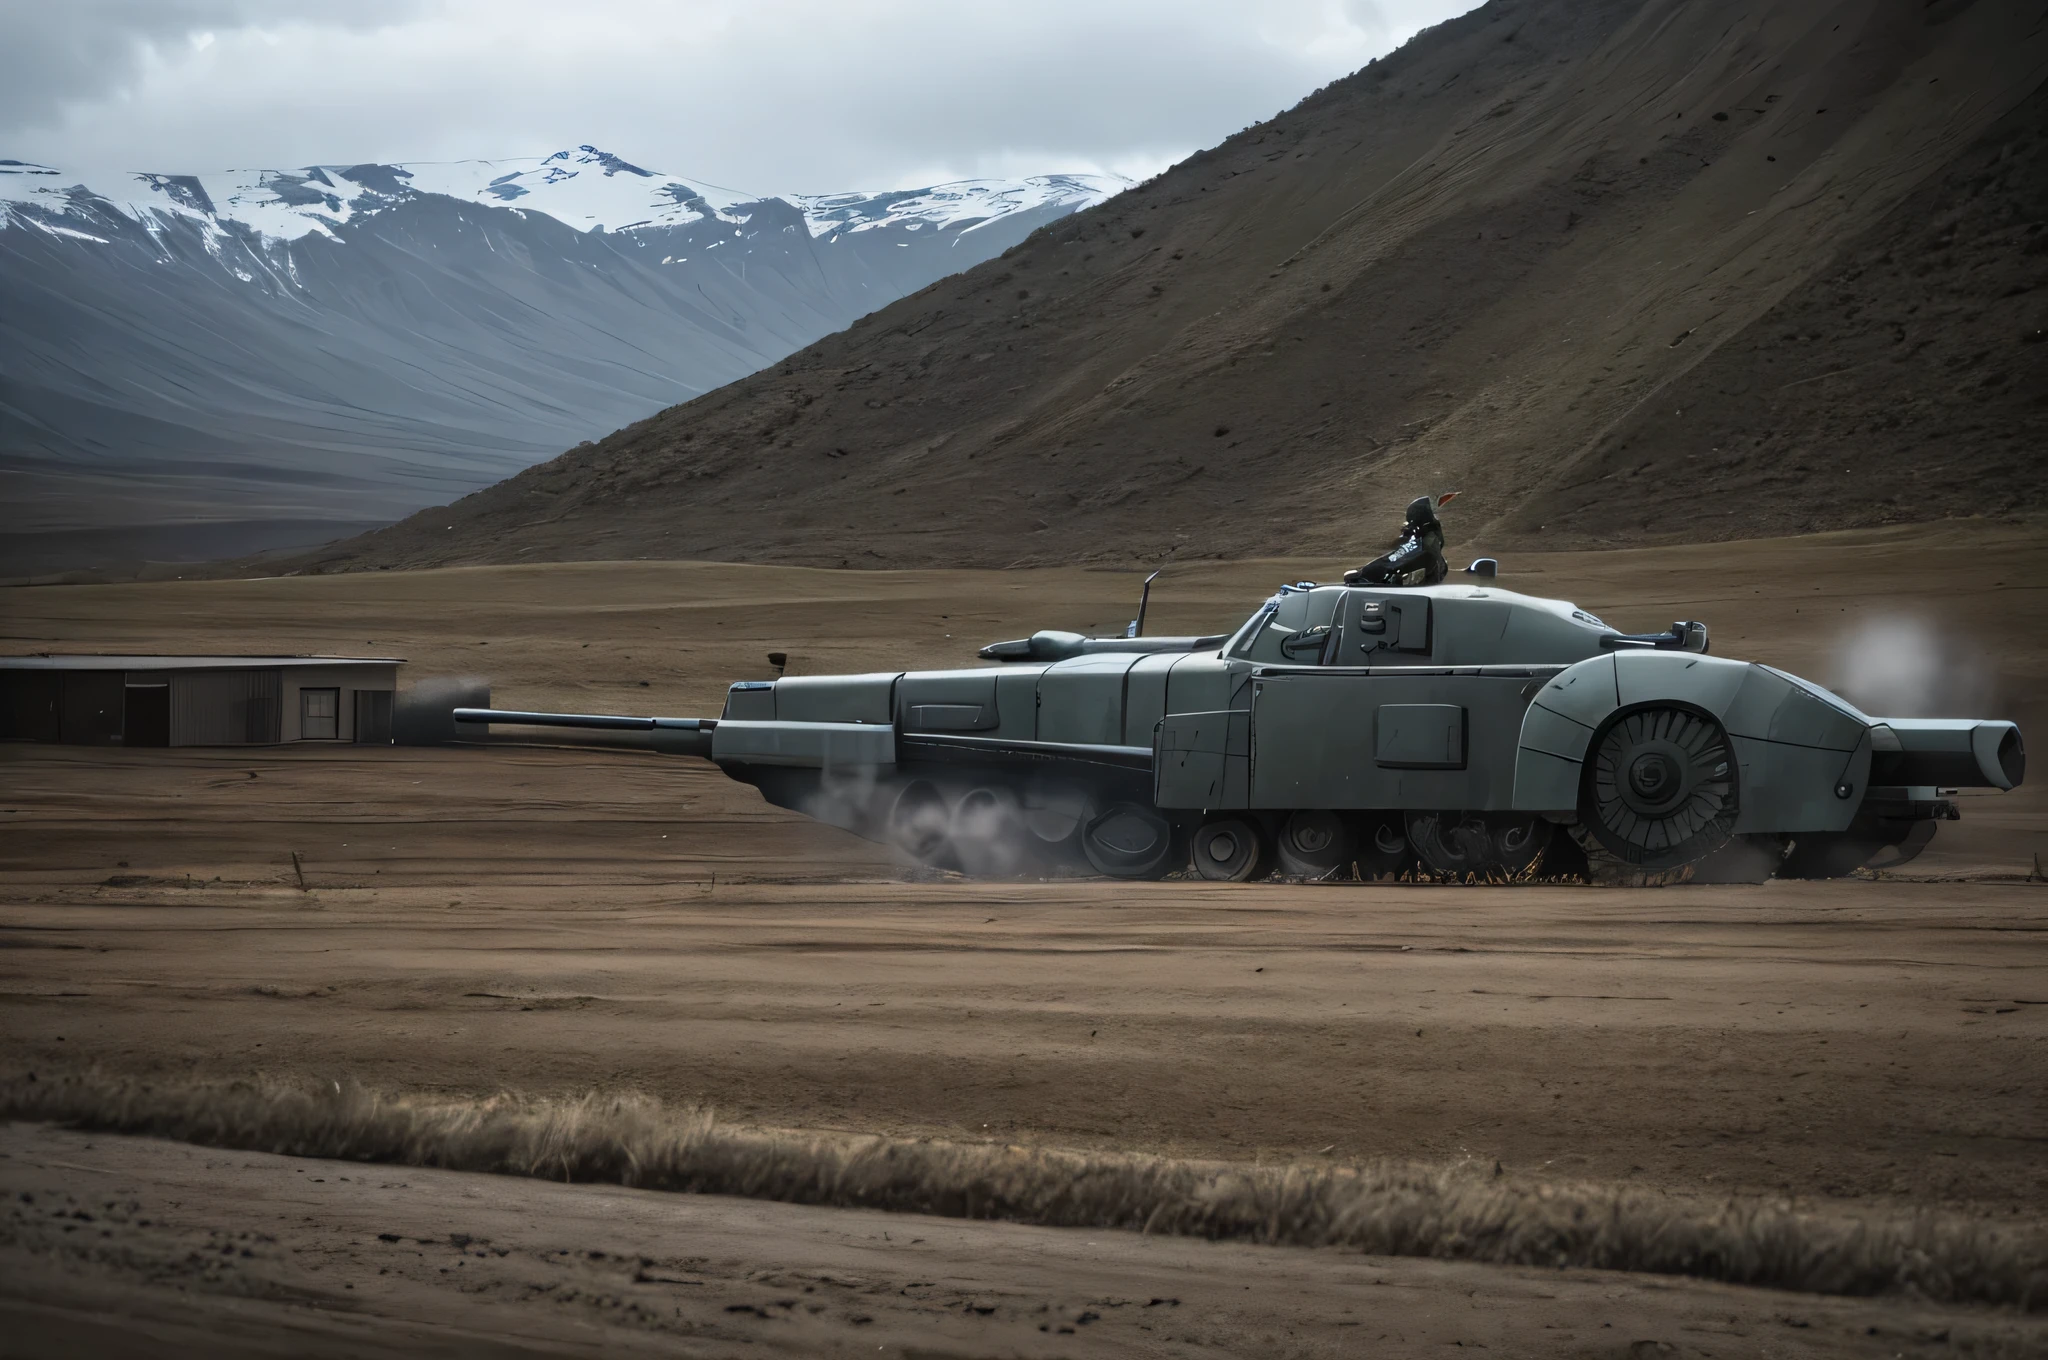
x=1486, y=262
x=580, y=187
x=207, y=355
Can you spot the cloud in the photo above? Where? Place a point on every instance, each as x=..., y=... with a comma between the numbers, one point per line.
x=56, y=54
x=762, y=95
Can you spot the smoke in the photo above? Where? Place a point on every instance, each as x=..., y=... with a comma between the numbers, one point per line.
x=424, y=714
x=1912, y=668
x=988, y=835
x=848, y=797
x=985, y=831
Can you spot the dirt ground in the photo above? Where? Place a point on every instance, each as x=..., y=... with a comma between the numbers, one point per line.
x=555, y=921
x=252, y=1255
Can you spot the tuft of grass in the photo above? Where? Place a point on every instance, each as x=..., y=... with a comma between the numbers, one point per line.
x=1457, y=1211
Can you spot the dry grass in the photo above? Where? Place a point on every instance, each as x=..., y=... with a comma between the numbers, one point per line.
x=1461, y=1211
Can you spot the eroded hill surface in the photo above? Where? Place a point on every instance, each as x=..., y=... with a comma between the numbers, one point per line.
x=1618, y=270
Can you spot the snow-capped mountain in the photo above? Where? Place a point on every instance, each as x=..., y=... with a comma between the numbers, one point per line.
x=212, y=363
x=588, y=189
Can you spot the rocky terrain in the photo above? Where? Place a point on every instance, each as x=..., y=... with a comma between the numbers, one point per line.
x=1622, y=270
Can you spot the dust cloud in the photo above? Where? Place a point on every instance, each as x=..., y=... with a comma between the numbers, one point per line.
x=424, y=715
x=1913, y=667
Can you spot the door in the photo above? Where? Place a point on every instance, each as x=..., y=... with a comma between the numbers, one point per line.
x=92, y=706
x=319, y=714
x=146, y=715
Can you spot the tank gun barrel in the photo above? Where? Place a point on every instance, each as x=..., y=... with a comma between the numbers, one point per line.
x=670, y=736
x=1048, y=645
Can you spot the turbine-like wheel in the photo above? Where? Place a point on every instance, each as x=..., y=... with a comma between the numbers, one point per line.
x=1128, y=840
x=1659, y=788
x=1315, y=844
x=1231, y=850
x=1490, y=845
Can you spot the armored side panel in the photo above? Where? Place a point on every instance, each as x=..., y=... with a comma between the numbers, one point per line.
x=1388, y=738
x=836, y=698
x=1468, y=632
x=1206, y=684
x=1420, y=736
x=1017, y=703
x=948, y=701
x=1203, y=760
x=1805, y=758
x=1145, y=688
x=1082, y=701
x=807, y=745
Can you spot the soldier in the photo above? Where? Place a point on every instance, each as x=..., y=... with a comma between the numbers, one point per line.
x=1417, y=558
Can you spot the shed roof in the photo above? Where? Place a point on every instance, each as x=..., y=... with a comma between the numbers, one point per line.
x=49, y=661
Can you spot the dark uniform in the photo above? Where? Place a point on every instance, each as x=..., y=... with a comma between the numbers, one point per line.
x=1417, y=558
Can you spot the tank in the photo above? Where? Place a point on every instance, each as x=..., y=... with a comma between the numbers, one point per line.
x=1454, y=730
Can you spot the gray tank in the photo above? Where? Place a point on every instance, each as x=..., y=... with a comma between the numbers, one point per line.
x=1454, y=730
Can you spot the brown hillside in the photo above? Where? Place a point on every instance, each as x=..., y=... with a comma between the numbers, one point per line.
x=1617, y=270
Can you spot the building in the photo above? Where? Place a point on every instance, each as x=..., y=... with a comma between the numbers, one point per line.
x=196, y=700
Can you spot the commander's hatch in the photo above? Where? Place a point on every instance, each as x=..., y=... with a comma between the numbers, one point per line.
x=1384, y=628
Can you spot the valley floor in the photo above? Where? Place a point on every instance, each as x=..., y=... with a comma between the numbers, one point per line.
x=559, y=921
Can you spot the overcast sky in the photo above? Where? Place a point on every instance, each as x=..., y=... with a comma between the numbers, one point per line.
x=765, y=96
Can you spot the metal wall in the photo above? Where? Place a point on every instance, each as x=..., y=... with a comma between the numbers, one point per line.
x=373, y=717
x=29, y=705
x=225, y=708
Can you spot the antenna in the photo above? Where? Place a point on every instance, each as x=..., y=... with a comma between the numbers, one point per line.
x=1137, y=626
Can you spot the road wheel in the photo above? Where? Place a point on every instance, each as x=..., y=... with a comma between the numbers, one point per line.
x=1315, y=844
x=1054, y=813
x=1381, y=845
x=1231, y=850
x=918, y=823
x=1659, y=788
x=987, y=834
x=1128, y=840
x=1482, y=845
